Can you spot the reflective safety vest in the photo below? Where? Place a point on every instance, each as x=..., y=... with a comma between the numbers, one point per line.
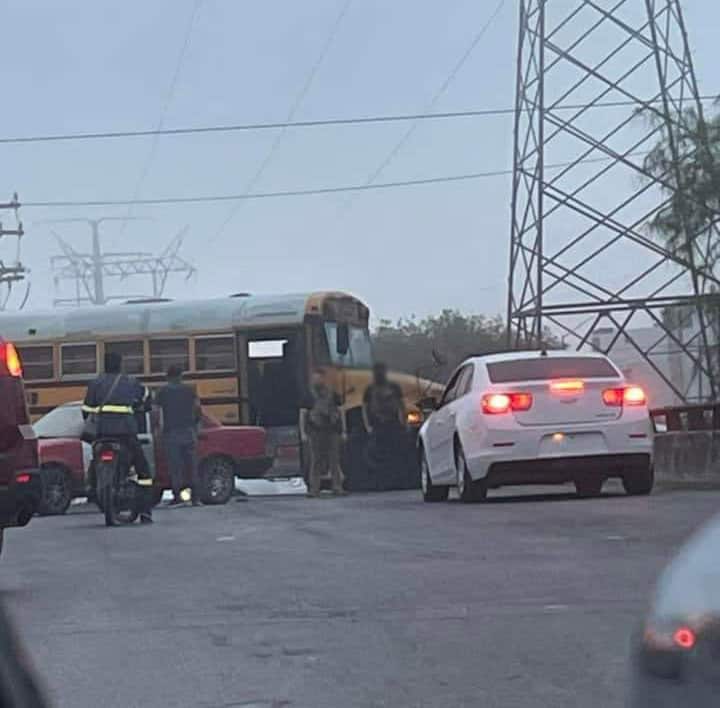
x=116, y=402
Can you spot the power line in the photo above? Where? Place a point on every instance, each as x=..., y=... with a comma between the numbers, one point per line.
x=321, y=123
x=160, y=201
x=166, y=106
x=438, y=94
x=266, y=195
x=291, y=115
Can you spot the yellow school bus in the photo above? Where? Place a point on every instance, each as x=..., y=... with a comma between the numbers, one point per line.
x=249, y=357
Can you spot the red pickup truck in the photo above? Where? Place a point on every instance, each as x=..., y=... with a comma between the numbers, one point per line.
x=224, y=452
x=19, y=473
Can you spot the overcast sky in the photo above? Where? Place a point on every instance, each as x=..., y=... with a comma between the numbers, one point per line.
x=78, y=65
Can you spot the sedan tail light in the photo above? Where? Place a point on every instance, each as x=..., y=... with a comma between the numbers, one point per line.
x=567, y=386
x=684, y=638
x=499, y=403
x=625, y=396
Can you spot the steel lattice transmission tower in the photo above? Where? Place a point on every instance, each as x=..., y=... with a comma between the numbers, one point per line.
x=90, y=270
x=599, y=84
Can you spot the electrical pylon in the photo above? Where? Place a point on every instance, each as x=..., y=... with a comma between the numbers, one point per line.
x=599, y=84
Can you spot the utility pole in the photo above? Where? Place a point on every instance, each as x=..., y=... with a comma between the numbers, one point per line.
x=15, y=272
x=599, y=85
x=97, y=262
x=89, y=270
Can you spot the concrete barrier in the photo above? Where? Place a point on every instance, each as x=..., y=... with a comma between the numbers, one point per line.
x=688, y=459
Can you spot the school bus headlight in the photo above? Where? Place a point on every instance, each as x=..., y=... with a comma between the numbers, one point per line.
x=414, y=418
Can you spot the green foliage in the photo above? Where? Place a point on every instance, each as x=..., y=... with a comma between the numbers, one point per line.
x=408, y=345
x=692, y=184
x=413, y=346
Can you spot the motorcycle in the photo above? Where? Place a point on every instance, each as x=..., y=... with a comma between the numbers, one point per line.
x=117, y=493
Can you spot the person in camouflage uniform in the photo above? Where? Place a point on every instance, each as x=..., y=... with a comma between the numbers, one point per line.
x=322, y=425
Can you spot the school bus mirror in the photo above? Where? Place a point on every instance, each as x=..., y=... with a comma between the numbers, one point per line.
x=428, y=404
x=342, y=344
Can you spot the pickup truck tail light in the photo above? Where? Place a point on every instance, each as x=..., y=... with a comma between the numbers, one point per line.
x=624, y=396
x=10, y=360
x=499, y=403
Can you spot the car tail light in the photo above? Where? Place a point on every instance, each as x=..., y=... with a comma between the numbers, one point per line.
x=10, y=359
x=625, y=396
x=498, y=403
x=684, y=638
x=567, y=386
x=634, y=396
x=22, y=478
x=107, y=456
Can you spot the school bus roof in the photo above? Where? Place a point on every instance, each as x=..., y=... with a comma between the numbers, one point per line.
x=145, y=318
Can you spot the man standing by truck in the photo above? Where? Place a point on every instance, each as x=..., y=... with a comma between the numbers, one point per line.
x=180, y=409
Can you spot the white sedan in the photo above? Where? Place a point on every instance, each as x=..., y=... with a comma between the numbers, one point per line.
x=536, y=418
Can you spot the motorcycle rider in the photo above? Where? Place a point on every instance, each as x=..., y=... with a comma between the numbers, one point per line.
x=116, y=399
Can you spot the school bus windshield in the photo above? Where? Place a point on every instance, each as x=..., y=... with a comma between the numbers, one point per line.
x=359, y=353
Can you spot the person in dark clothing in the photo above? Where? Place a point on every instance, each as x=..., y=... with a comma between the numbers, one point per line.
x=384, y=417
x=180, y=409
x=116, y=399
x=383, y=404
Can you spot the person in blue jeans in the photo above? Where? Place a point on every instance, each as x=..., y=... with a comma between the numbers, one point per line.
x=179, y=422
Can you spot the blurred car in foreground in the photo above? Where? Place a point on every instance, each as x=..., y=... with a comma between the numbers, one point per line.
x=675, y=655
x=19, y=473
x=224, y=452
x=536, y=418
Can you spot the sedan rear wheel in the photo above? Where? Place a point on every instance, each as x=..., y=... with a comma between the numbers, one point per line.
x=469, y=490
x=639, y=482
x=217, y=475
x=56, y=491
x=431, y=493
x=588, y=487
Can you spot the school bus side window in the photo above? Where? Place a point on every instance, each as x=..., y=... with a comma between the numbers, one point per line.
x=78, y=360
x=166, y=352
x=37, y=363
x=215, y=353
x=132, y=353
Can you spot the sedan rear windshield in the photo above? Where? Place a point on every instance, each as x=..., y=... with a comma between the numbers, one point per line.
x=544, y=368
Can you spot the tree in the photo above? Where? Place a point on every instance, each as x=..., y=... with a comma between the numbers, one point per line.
x=688, y=171
x=434, y=346
x=691, y=183
x=414, y=346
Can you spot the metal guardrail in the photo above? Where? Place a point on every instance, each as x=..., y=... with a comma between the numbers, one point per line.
x=703, y=416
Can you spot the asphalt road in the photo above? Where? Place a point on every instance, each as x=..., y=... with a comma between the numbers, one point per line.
x=372, y=600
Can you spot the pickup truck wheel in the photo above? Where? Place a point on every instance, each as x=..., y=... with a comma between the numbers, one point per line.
x=56, y=491
x=217, y=476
